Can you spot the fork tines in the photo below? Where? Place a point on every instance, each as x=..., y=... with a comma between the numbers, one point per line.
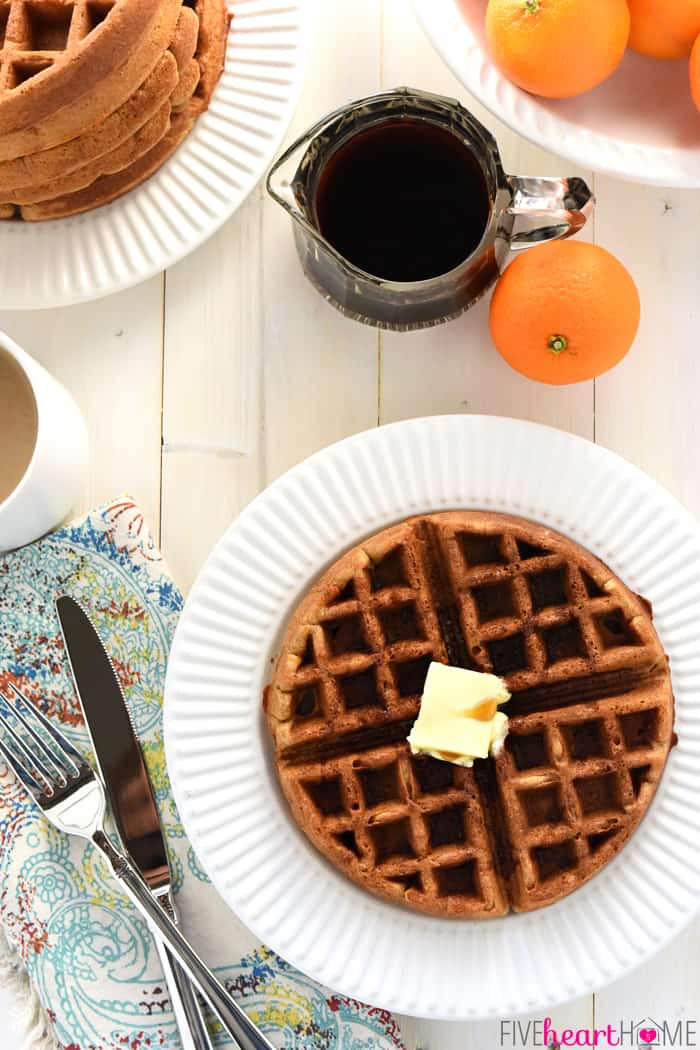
x=40, y=755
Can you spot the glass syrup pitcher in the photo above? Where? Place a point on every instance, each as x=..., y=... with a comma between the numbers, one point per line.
x=402, y=213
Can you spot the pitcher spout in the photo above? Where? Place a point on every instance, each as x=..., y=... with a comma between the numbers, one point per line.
x=281, y=184
x=290, y=179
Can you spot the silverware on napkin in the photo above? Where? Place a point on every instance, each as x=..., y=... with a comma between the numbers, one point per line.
x=130, y=795
x=72, y=798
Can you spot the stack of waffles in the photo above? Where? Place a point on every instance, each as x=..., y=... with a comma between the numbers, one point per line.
x=591, y=714
x=96, y=94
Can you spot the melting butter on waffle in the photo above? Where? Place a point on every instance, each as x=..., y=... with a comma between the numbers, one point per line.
x=459, y=718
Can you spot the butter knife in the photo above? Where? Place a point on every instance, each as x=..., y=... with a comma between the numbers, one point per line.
x=130, y=794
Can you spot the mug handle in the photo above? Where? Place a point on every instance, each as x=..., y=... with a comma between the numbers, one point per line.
x=556, y=208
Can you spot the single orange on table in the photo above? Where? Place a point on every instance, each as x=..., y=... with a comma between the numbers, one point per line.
x=564, y=312
x=695, y=72
x=664, y=28
x=557, y=48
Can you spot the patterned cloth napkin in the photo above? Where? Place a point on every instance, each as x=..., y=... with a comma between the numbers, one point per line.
x=88, y=953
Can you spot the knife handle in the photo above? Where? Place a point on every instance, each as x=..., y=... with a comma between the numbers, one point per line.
x=232, y=1017
x=189, y=1016
x=194, y=1034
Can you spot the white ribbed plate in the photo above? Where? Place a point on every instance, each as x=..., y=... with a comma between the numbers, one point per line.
x=647, y=135
x=230, y=147
x=220, y=765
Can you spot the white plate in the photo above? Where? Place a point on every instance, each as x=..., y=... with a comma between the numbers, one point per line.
x=640, y=124
x=220, y=765
x=155, y=225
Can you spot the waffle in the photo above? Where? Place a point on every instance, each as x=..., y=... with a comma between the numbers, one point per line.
x=189, y=81
x=38, y=168
x=126, y=120
x=110, y=187
x=191, y=69
x=184, y=42
x=116, y=160
x=211, y=46
x=65, y=65
x=119, y=141
x=591, y=714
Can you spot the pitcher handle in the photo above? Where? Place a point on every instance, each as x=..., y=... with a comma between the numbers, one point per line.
x=557, y=208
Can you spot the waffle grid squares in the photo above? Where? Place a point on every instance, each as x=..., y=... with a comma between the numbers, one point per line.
x=63, y=150
x=554, y=619
x=384, y=626
x=33, y=35
x=590, y=718
x=418, y=836
x=348, y=657
x=587, y=778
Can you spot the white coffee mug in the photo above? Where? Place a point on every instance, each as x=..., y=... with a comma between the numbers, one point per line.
x=43, y=449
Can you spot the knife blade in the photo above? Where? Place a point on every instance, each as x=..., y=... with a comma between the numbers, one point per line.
x=130, y=793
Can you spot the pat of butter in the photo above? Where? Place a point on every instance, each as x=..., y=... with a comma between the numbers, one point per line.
x=459, y=718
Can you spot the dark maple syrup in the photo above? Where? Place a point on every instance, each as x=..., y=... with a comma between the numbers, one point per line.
x=403, y=200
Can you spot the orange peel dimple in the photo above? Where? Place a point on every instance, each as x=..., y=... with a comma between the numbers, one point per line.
x=557, y=344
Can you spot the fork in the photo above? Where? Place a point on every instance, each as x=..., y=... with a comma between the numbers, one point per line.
x=72, y=798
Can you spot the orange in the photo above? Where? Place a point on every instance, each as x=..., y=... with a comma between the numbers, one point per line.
x=564, y=312
x=664, y=28
x=695, y=72
x=557, y=48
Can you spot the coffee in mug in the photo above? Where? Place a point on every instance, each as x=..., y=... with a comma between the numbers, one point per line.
x=43, y=448
x=19, y=424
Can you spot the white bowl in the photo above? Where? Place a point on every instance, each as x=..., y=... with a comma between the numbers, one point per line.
x=640, y=124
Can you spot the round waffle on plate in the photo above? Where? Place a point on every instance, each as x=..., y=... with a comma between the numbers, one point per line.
x=591, y=714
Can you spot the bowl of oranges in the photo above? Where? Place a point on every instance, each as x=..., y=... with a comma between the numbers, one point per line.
x=613, y=85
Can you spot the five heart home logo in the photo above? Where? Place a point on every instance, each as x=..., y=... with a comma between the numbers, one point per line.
x=635, y=1034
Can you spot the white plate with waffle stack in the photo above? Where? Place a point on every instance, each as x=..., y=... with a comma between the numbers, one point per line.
x=69, y=260
x=222, y=769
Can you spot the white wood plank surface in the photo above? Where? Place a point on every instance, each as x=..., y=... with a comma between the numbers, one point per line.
x=202, y=386
x=212, y=424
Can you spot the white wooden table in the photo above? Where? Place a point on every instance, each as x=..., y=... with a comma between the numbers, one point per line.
x=204, y=384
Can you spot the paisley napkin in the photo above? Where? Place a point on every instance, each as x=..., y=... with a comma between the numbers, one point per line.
x=87, y=952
